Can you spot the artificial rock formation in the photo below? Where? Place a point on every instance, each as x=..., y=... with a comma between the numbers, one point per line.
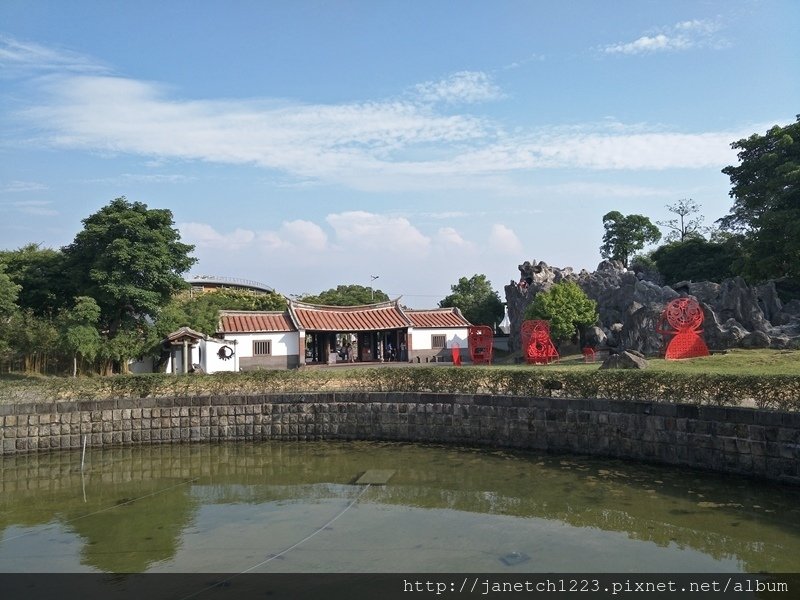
x=629, y=307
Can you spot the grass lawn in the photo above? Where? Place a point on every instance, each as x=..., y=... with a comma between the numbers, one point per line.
x=734, y=362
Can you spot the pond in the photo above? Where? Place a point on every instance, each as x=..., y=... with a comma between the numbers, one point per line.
x=359, y=507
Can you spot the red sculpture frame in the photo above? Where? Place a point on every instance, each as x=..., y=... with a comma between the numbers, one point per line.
x=684, y=316
x=536, y=343
x=481, y=342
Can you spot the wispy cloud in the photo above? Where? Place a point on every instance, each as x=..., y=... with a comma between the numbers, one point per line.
x=17, y=55
x=464, y=87
x=124, y=178
x=525, y=61
x=681, y=36
x=14, y=187
x=41, y=208
x=389, y=145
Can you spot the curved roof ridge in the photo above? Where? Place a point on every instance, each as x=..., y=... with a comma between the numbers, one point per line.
x=231, y=311
x=352, y=307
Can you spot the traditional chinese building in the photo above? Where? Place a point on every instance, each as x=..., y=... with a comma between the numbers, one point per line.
x=314, y=334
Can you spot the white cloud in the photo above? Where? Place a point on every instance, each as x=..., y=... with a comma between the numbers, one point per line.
x=503, y=240
x=521, y=63
x=359, y=146
x=332, y=142
x=143, y=178
x=463, y=87
x=681, y=36
x=370, y=146
x=17, y=55
x=204, y=236
x=39, y=208
x=595, y=189
x=371, y=232
x=449, y=238
x=301, y=235
x=22, y=186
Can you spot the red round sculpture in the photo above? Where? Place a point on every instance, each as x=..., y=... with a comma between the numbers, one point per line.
x=481, y=340
x=536, y=342
x=684, y=317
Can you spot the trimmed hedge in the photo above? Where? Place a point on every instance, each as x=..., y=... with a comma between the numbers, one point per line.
x=762, y=391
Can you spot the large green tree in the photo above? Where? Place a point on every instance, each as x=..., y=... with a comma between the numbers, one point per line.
x=40, y=274
x=698, y=259
x=566, y=306
x=476, y=300
x=347, y=295
x=130, y=259
x=765, y=187
x=625, y=234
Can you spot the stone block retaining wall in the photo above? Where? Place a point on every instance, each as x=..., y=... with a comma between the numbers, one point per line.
x=744, y=441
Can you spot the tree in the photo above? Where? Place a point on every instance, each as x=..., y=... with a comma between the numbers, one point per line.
x=625, y=235
x=131, y=341
x=698, y=259
x=476, y=300
x=566, y=306
x=201, y=312
x=8, y=307
x=9, y=291
x=685, y=225
x=129, y=259
x=347, y=295
x=78, y=327
x=765, y=187
x=34, y=339
x=646, y=268
x=40, y=274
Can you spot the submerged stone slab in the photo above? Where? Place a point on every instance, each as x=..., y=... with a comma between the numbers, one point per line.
x=375, y=477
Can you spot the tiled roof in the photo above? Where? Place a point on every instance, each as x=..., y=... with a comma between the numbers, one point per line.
x=312, y=317
x=441, y=318
x=184, y=332
x=254, y=321
x=386, y=315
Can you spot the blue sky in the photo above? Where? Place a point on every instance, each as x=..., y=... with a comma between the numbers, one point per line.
x=307, y=144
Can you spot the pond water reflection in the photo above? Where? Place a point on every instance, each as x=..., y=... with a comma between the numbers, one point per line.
x=296, y=507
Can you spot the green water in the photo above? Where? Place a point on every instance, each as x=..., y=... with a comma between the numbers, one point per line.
x=296, y=507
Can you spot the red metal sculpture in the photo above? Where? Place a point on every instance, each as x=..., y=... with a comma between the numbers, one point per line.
x=481, y=339
x=455, y=352
x=684, y=317
x=536, y=342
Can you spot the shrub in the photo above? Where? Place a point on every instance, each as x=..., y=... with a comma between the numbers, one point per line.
x=763, y=391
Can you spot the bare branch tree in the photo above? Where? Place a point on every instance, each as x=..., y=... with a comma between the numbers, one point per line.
x=685, y=225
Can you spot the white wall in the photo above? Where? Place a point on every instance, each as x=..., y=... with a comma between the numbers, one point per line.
x=206, y=355
x=141, y=366
x=283, y=343
x=212, y=363
x=421, y=338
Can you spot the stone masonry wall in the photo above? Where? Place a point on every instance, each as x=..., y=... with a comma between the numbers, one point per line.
x=756, y=443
